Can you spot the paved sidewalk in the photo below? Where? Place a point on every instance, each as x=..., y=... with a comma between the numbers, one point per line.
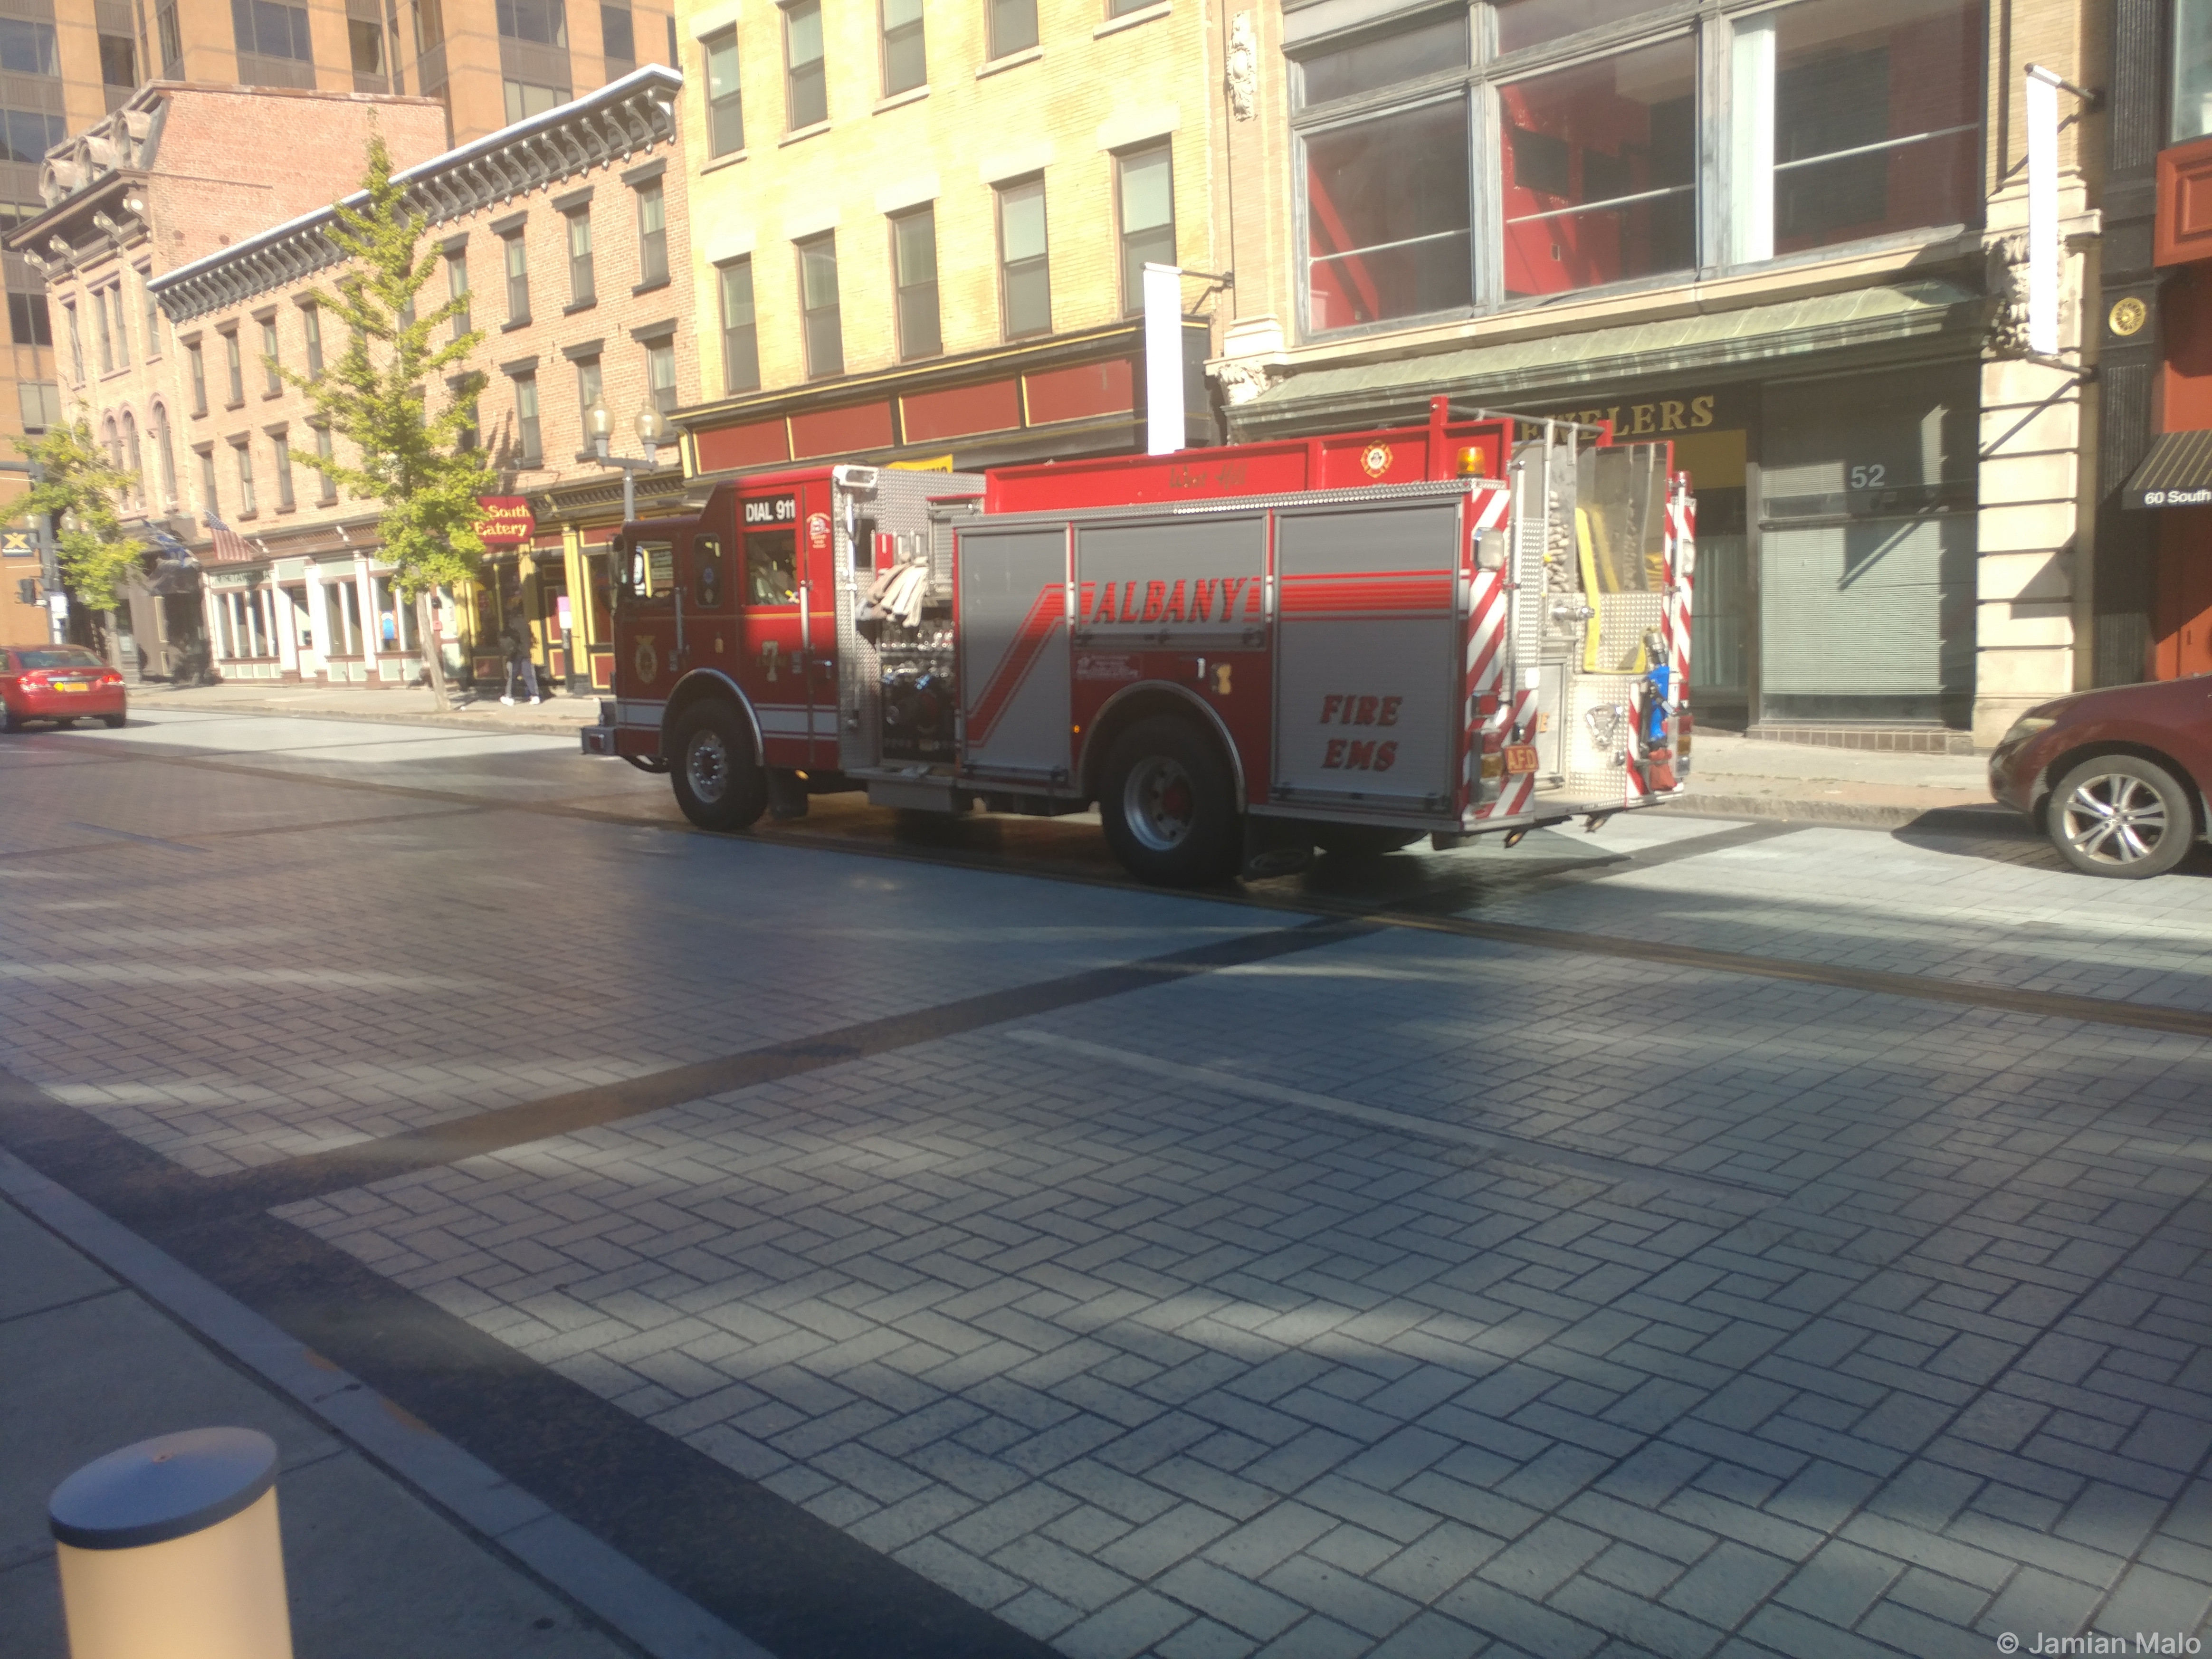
x=1733, y=777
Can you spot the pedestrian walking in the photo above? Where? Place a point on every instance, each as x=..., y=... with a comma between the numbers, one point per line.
x=515, y=637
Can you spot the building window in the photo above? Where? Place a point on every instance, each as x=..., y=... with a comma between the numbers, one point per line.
x=119, y=61
x=741, y=339
x=192, y=356
x=122, y=330
x=588, y=389
x=540, y=22
x=725, y=113
x=134, y=459
x=914, y=269
x=1840, y=124
x=29, y=48
x=106, y=338
x=660, y=374
x=326, y=489
x=153, y=315
x=165, y=453
x=29, y=322
x=234, y=366
x=617, y=41
x=580, y=290
x=40, y=403
x=457, y=288
x=210, y=504
x=517, y=281
x=429, y=25
x=263, y=28
x=529, y=450
x=26, y=136
x=1013, y=25
x=806, y=89
x=906, y=65
x=311, y=326
x=470, y=434
x=280, y=450
x=817, y=305
x=76, y=351
x=1024, y=275
x=1145, y=193
x=173, y=43
x=1848, y=124
x=244, y=451
x=524, y=99
x=273, y=382
x=652, y=234
x=2193, y=69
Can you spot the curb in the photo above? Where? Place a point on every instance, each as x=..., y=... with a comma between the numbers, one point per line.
x=575, y=1563
x=1842, y=814
x=459, y=720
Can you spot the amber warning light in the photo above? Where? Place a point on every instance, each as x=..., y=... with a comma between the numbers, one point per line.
x=1471, y=462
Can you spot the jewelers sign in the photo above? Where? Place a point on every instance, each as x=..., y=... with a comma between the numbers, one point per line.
x=507, y=521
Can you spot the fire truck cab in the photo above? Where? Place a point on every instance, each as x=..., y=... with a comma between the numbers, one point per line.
x=1239, y=654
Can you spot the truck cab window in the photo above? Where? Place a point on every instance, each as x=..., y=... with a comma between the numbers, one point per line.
x=706, y=559
x=652, y=570
x=772, y=567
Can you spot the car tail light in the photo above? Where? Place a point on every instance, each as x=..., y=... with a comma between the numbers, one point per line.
x=110, y=678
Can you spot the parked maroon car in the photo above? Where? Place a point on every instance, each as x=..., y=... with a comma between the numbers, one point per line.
x=2119, y=778
x=62, y=683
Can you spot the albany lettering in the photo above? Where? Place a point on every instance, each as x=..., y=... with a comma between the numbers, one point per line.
x=1185, y=601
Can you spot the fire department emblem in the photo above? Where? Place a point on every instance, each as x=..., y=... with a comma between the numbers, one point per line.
x=1375, y=459
x=818, y=529
x=647, y=662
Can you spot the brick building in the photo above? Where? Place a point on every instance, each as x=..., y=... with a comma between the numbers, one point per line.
x=923, y=227
x=175, y=174
x=65, y=66
x=567, y=233
x=1766, y=232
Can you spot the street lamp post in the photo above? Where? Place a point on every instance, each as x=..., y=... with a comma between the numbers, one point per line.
x=653, y=431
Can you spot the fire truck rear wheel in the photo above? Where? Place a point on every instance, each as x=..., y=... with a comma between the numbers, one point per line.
x=1168, y=805
x=1361, y=840
x=718, y=782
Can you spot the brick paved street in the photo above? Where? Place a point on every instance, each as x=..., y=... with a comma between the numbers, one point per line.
x=1413, y=1259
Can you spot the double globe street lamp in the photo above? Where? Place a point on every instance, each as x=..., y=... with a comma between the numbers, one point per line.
x=654, y=429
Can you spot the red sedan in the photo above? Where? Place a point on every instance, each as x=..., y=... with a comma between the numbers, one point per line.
x=59, y=683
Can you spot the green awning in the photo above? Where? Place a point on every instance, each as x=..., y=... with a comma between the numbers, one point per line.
x=2178, y=472
x=1673, y=348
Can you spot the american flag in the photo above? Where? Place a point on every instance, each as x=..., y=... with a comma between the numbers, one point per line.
x=230, y=546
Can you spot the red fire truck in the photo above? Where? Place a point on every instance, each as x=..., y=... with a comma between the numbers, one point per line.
x=1239, y=654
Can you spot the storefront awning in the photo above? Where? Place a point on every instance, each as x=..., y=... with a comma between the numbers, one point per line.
x=2178, y=472
x=1389, y=385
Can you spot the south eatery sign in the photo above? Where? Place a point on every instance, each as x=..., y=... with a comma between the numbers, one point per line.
x=506, y=521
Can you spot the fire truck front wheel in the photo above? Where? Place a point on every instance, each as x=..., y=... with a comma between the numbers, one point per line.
x=718, y=783
x=1168, y=805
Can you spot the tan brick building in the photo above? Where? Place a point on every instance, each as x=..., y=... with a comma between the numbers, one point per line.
x=1767, y=232
x=922, y=228
x=566, y=234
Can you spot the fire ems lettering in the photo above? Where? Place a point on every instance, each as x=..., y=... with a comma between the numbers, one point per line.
x=1353, y=710
x=1350, y=754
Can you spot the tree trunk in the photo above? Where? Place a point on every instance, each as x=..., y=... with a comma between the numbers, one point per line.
x=434, y=651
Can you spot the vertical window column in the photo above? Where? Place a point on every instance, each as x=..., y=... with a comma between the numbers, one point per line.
x=820, y=319
x=806, y=87
x=1025, y=275
x=1145, y=192
x=913, y=265
x=740, y=334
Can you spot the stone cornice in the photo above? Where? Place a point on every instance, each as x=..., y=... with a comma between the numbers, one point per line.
x=601, y=130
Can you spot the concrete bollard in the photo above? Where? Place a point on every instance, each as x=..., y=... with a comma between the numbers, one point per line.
x=170, y=1549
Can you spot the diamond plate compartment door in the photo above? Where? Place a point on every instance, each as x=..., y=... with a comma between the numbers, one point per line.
x=1014, y=667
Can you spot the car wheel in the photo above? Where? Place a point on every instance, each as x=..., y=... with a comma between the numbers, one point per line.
x=1362, y=841
x=114, y=722
x=1168, y=809
x=2122, y=815
x=717, y=781
x=9, y=720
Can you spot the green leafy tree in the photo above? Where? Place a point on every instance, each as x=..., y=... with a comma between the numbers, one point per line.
x=79, y=488
x=412, y=462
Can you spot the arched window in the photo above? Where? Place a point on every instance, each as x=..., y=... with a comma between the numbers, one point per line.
x=165, y=455
x=133, y=458
x=114, y=444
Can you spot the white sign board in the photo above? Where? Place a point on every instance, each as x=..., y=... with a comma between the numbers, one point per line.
x=2042, y=109
x=1163, y=412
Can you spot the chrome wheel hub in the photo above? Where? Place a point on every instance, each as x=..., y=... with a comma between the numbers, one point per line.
x=1159, y=803
x=707, y=767
x=2113, y=819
